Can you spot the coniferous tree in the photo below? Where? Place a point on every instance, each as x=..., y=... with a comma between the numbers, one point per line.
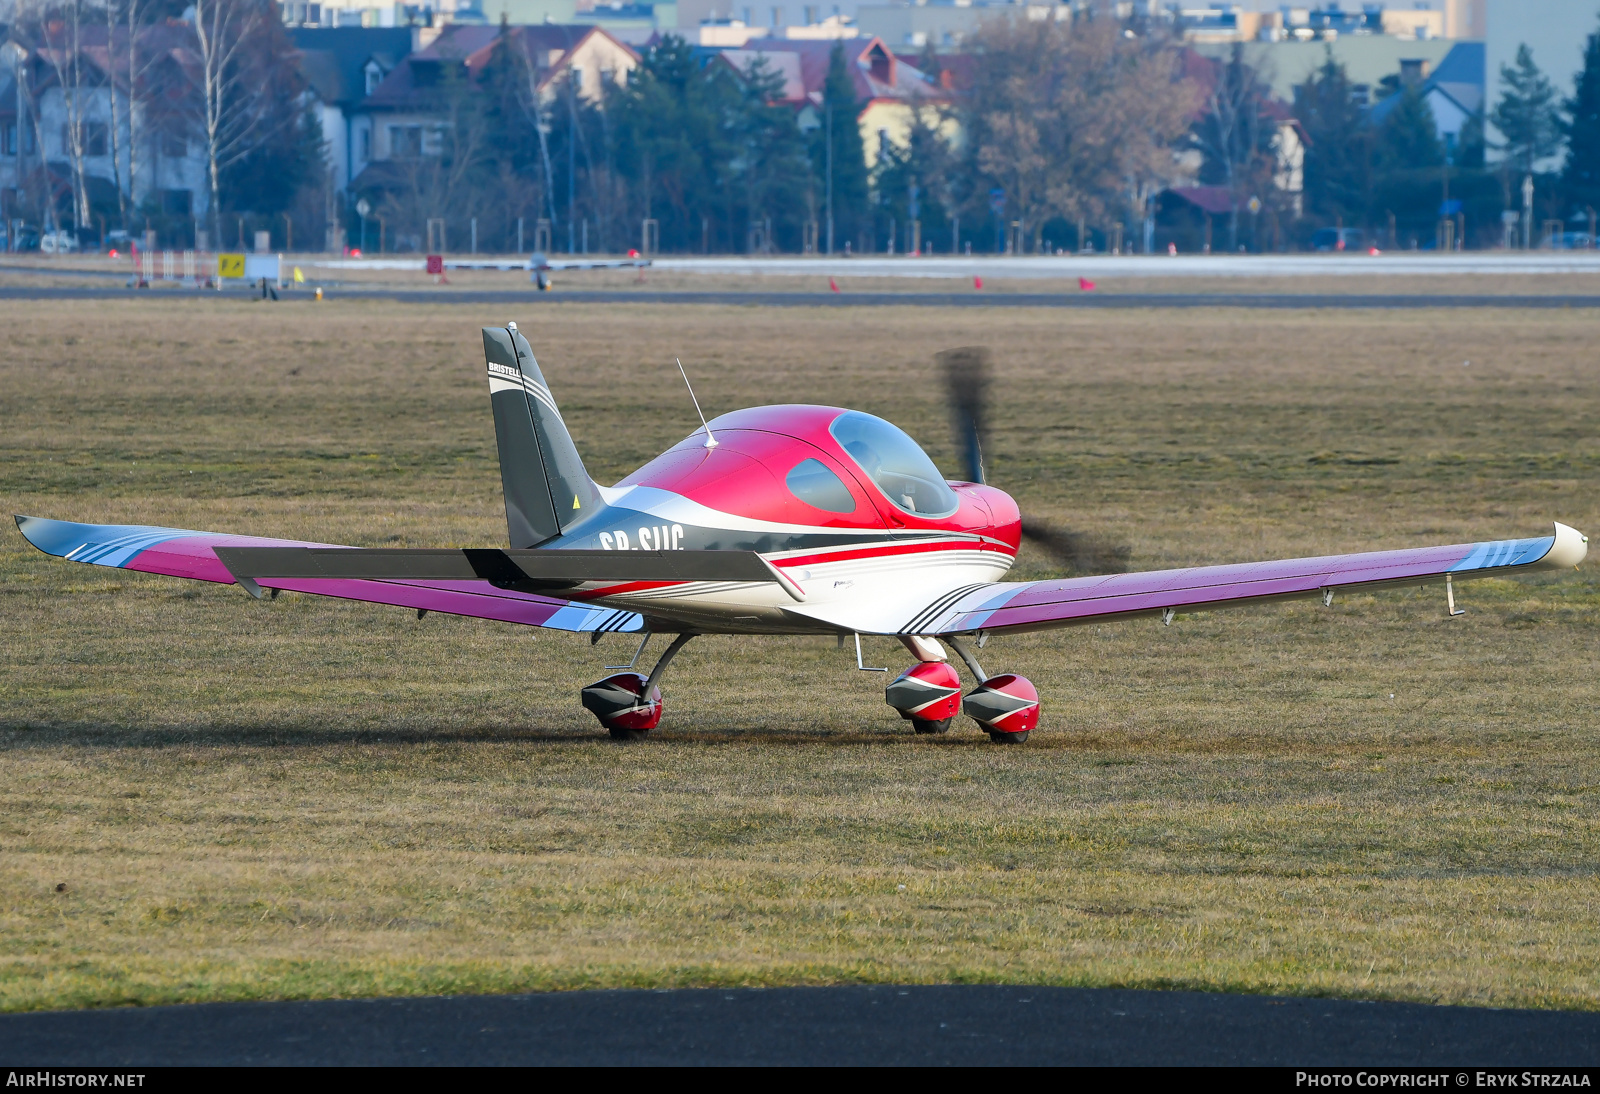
x=1470, y=143
x=848, y=163
x=1580, y=179
x=1526, y=113
x=1409, y=137
x=1336, y=156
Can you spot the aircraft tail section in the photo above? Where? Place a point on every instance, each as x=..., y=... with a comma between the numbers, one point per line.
x=546, y=487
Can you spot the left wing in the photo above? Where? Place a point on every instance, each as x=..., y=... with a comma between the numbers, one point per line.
x=1043, y=605
x=178, y=552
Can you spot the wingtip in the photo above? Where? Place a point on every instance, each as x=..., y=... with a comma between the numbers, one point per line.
x=1569, y=548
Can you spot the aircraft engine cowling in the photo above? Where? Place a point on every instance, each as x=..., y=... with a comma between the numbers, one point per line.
x=615, y=701
x=1007, y=707
x=928, y=694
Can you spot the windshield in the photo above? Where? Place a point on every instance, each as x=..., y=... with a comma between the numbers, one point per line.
x=893, y=461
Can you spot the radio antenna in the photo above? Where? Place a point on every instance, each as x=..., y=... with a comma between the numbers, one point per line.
x=711, y=441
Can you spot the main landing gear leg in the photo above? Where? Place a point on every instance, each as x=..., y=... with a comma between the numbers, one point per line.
x=628, y=704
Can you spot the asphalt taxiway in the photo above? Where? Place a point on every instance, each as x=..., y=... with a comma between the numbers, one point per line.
x=856, y=1025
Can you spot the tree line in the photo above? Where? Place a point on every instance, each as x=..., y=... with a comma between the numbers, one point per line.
x=1069, y=130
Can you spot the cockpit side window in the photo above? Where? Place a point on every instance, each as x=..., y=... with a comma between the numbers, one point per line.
x=813, y=483
x=894, y=461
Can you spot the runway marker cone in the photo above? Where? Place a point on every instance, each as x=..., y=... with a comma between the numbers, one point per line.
x=1085, y=284
x=977, y=282
x=833, y=285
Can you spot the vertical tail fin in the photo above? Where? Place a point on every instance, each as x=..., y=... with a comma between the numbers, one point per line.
x=546, y=487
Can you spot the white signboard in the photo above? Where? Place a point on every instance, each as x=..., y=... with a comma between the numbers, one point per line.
x=267, y=266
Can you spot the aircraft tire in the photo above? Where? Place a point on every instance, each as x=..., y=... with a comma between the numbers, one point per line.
x=620, y=734
x=1009, y=738
x=935, y=725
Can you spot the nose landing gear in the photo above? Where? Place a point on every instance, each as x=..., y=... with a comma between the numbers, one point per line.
x=628, y=704
x=929, y=695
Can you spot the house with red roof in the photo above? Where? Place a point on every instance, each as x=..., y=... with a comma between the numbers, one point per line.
x=890, y=89
x=403, y=117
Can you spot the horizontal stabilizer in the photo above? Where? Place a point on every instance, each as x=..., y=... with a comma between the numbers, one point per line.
x=506, y=569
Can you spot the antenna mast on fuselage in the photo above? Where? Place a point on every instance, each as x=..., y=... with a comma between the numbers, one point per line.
x=711, y=441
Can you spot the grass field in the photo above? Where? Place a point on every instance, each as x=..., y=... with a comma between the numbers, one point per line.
x=208, y=797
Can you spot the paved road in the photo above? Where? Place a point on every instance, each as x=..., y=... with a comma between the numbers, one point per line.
x=968, y=299
x=841, y=1025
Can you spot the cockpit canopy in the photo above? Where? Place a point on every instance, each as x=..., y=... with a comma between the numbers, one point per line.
x=895, y=463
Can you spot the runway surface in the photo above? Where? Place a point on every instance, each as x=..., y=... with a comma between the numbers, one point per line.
x=1090, y=265
x=968, y=299
x=972, y=1024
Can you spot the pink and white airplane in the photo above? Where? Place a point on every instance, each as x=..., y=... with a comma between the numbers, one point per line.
x=774, y=520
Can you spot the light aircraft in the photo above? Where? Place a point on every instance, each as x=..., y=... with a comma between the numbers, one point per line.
x=540, y=266
x=785, y=520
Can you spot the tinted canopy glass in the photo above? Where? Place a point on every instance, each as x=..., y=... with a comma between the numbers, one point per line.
x=814, y=484
x=893, y=461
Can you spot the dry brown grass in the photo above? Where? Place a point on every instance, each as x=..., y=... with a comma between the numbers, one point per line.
x=311, y=798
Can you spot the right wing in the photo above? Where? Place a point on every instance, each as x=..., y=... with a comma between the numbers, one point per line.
x=1044, y=605
x=178, y=552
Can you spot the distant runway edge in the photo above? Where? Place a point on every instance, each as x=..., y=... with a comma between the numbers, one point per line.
x=852, y=1025
x=975, y=299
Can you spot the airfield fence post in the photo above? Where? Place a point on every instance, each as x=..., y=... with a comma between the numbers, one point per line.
x=474, y=236
x=955, y=235
x=435, y=227
x=519, y=235
x=914, y=238
x=585, y=235
x=808, y=243
x=650, y=236
x=383, y=228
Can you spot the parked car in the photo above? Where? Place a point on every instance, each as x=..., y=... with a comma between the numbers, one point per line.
x=1339, y=239
x=1572, y=241
x=60, y=242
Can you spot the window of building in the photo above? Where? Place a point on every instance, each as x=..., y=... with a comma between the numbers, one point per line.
x=8, y=141
x=365, y=146
x=810, y=14
x=374, y=76
x=405, y=142
x=94, y=139
x=30, y=140
x=777, y=17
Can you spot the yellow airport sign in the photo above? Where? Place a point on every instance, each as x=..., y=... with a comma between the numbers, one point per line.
x=230, y=265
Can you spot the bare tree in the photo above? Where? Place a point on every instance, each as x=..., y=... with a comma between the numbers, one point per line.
x=116, y=127
x=58, y=31
x=237, y=112
x=1235, y=134
x=1070, y=116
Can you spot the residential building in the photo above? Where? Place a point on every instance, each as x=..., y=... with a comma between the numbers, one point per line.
x=889, y=90
x=1454, y=91
x=344, y=65
x=402, y=118
x=144, y=147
